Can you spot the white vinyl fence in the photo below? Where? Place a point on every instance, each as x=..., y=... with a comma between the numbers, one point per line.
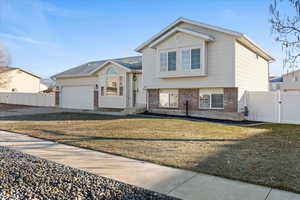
x=31, y=99
x=278, y=107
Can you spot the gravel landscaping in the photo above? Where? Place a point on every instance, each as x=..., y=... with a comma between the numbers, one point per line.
x=24, y=176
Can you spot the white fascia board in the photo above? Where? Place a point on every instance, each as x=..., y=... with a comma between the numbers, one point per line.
x=180, y=20
x=190, y=32
x=70, y=76
x=109, y=62
x=144, y=44
x=269, y=57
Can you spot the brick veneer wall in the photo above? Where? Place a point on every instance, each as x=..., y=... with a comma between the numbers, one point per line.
x=192, y=95
x=153, y=98
x=230, y=99
x=57, y=93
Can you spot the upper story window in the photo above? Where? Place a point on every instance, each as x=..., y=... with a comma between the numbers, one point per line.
x=190, y=58
x=114, y=83
x=168, y=61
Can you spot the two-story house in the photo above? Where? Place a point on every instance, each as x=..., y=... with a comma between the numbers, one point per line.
x=207, y=67
x=187, y=68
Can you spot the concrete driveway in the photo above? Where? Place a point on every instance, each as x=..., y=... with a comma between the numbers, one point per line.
x=28, y=111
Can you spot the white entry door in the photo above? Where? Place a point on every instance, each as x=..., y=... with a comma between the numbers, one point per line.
x=77, y=97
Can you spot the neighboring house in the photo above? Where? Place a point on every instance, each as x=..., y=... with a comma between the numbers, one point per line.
x=43, y=87
x=48, y=86
x=275, y=83
x=187, y=68
x=106, y=84
x=18, y=80
x=291, y=81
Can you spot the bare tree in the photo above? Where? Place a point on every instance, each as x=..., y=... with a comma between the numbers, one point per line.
x=4, y=61
x=4, y=58
x=286, y=27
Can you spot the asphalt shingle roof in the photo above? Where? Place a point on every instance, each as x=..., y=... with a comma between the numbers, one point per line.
x=276, y=80
x=133, y=63
x=6, y=69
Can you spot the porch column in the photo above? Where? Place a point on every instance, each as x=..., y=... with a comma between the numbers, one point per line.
x=57, y=96
x=96, y=97
x=130, y=90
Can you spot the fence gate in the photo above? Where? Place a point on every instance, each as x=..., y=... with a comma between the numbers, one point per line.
x=277, y=107
x=290, y=107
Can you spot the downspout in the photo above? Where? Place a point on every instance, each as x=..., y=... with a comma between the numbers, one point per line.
x=134, y=91
x=147, y=99
x=268, y=76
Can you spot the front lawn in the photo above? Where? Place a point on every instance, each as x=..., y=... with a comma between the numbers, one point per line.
x=264, y=154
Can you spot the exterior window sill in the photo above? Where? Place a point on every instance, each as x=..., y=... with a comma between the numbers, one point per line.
x=211, y=108
x=168, y=108
x=175, y=74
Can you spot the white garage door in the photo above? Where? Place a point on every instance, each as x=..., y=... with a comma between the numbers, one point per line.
x=77, y=97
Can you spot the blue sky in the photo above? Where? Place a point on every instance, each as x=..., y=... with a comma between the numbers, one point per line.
x=49, y=36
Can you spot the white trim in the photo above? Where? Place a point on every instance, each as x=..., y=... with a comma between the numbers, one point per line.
x=109, y=62
x=180, y=58
x=95, y=70
x=117, y=76
x=190, y=64
x=180, y=20
x=263, y=53
x=167, y=51
x=177, y=29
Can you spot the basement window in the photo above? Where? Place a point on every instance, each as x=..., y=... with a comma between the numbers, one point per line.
x=168, y=98
x=211, y=99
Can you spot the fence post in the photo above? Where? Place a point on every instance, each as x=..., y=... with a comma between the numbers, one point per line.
x=279, y=105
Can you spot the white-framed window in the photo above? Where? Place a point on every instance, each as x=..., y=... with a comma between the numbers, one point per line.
x=190, y=58
x=167, y=61
x=168, y=98
x=211, y=99
x=114, y=83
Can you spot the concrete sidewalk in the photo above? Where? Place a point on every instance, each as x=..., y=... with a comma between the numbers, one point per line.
x=174, y=182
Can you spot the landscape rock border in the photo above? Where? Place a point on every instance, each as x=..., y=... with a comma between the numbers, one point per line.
x=23, y=176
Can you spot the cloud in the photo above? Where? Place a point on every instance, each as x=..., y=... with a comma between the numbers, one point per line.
x=230, y=13
x=25, y=39
x=54, y=10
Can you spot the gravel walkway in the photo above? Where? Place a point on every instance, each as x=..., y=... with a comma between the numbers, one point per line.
x=23, y=176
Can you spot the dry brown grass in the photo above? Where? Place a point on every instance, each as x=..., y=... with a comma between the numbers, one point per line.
x=266, y=154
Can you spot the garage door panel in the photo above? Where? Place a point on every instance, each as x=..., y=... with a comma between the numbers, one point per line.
x=77, y=97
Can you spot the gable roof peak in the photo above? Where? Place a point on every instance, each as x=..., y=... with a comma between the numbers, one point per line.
x=239, y=36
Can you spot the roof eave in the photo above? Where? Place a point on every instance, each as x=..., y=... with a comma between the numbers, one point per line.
x=94, y=71
x=177, y=29
x=188, y=21
x=112, y=62
x=263, y=53
x=70, y=76
x=29, y=73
